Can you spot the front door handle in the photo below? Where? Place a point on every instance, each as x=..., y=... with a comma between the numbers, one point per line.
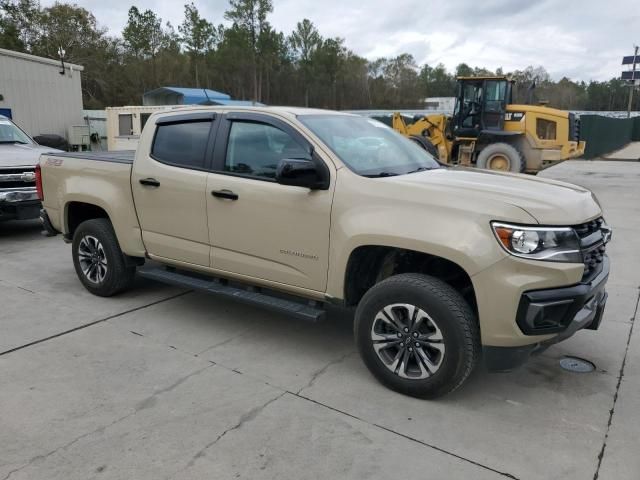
x=228, y=194
x=149, y=182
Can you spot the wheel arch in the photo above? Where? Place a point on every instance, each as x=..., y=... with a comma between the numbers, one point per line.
x=76, y=212
x=369, y=264
x=79, y=207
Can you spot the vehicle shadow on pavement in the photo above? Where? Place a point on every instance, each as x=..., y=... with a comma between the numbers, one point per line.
x=16, y=229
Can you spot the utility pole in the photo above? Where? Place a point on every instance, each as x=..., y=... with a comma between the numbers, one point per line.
x=633, y=83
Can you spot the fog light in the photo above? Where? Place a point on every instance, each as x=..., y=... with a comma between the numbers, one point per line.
x=547, y=315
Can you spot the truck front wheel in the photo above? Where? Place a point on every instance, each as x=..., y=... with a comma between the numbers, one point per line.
x=417, y=335
x=98, y=260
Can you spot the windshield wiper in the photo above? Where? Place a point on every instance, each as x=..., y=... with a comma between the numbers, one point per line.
x=14, y=141
x=380, y=174
x=420, y=169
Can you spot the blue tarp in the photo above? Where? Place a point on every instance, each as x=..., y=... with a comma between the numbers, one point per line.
x=238, y=103
x=190, y=96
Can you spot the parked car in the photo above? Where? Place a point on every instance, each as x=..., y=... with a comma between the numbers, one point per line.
x=19, y=154
x=293, y=209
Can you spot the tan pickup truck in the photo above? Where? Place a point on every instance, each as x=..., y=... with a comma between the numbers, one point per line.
x=293, y=209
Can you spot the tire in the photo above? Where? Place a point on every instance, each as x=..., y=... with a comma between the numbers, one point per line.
x=427, y=145
x=501, y=157
x=447, y=331
x=98, y=260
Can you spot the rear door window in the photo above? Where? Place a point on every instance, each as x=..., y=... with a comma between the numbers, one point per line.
x=182, y=144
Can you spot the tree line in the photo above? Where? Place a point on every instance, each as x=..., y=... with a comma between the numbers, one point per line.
x=249, y=59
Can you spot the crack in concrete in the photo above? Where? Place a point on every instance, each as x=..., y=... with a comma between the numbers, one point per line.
x=425, y=444
x=90, y=324
x=223, y=342
x=615, y=396
x=67, y=445
x=150, y=401
x=318, y=373
x=244, y=419
x=146, y=403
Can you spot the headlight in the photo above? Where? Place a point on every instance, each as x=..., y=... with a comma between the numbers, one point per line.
x=552, y=244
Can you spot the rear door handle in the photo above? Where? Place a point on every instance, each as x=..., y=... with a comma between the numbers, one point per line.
x=228, y=194
x=149, y=182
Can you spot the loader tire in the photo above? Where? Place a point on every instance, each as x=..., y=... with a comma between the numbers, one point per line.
x=426, y=144
x=501, y=157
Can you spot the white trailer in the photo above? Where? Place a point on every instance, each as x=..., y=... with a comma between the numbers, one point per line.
x=124, y=125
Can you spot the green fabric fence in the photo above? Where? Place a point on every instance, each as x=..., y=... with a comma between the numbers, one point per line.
x=636, y=129
x=605, y=135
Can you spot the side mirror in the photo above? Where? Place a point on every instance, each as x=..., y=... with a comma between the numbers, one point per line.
x=302, y=173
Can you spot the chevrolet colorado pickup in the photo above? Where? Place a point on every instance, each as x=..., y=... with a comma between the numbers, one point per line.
x=18, y=157
x=294, y=209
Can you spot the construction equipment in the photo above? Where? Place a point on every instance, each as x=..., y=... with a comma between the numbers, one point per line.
x=488, y=131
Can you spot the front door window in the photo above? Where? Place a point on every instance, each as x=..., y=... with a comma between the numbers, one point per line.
x=255, y=149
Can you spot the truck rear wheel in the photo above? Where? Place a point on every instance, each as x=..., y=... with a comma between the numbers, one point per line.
x=417, y=335
x=502, y=157
x=98, y=260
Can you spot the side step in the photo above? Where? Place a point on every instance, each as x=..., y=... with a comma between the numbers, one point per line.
x=249, y=295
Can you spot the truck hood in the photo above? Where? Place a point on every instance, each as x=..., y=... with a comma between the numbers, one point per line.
x=18, y=155
x=550, y=202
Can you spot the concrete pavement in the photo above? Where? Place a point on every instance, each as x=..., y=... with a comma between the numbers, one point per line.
x=628, y=152
x=167, y=383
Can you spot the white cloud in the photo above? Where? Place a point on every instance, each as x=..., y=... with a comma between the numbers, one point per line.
x=579, y=39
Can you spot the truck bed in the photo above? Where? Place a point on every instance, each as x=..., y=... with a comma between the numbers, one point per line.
x=121, y=156
x=99, y=179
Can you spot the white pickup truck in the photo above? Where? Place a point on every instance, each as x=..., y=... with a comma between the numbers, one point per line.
x=18, y=157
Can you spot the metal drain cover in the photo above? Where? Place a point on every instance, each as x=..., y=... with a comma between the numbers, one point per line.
x=577, y=365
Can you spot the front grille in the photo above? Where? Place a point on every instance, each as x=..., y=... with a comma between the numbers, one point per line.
x=14, y=177
x=592, y=245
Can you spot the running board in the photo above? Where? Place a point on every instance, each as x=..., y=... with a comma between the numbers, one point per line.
x=248, y=295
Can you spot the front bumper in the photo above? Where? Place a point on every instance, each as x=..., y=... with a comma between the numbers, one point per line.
x=19, y=204
x=559, y=311
x=17, y=195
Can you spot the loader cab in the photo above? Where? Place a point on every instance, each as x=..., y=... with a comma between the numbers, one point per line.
x=481, y=104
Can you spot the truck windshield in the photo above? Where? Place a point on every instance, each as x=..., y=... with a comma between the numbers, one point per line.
x=9, y=133
x=368, y=147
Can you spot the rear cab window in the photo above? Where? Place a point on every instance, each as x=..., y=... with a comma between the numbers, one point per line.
x=182, y=143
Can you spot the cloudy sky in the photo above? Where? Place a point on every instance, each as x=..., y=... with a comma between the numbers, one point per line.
x=582, y=40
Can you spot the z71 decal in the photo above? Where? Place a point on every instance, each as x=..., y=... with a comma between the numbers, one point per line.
x=54, y=162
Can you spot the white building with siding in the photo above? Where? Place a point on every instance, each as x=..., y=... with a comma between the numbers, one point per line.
x=38, y=94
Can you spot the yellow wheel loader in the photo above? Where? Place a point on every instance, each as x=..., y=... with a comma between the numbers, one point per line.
x=488, y=131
